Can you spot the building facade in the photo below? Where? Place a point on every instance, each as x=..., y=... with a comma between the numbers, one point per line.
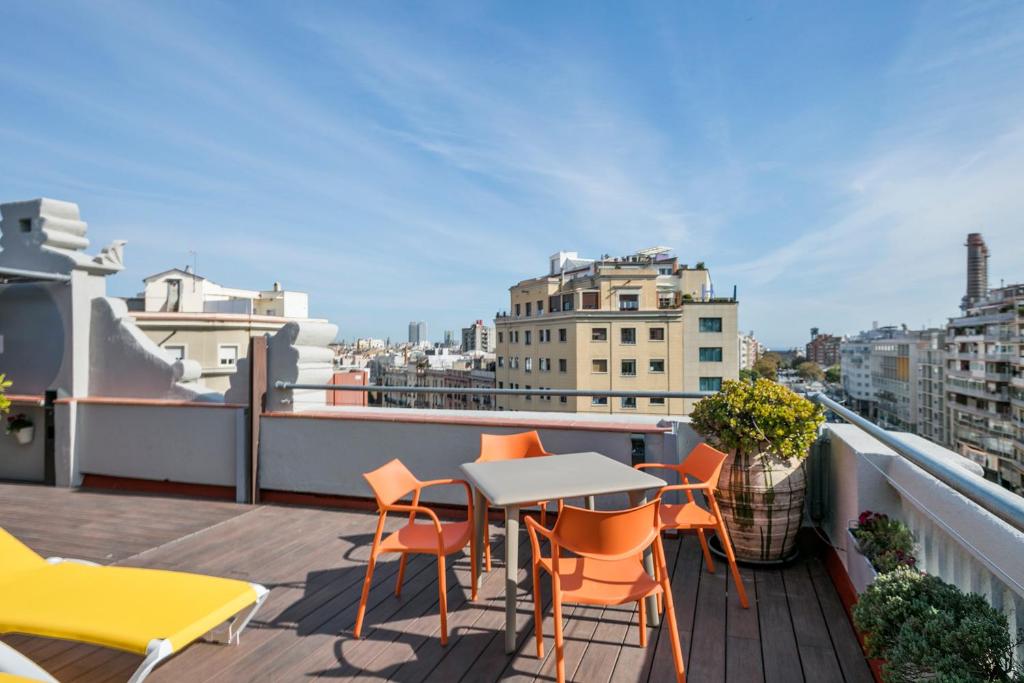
x=985, y=382
x=641, y=322
x=750, y=350
x=478, y=338
x=418, y=332
x=823, y=349
x=193, y=318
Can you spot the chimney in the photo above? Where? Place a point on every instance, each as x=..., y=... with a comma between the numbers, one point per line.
x=977, y=270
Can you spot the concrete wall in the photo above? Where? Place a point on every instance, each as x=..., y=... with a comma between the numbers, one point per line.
x=196, y=444
x=322, y=453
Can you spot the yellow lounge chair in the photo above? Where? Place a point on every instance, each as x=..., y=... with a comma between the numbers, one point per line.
x=151, y=612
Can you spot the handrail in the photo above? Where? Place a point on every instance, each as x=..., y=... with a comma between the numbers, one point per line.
x=992, y=497
x=494, y=391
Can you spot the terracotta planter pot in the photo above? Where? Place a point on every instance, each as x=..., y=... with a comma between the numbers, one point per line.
x=763, y=506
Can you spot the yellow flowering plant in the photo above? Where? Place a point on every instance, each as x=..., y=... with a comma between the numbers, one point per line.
x=5, y=384
x=761, y=418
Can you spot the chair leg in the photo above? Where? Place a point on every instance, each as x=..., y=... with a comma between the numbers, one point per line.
x=487, y=547
x=366, y=594
x=707, y=553
x=442, y=598
x=673, y=632
x=474, y=570
x=730, y=554
x=642, y=608
x=538, y=624
x=401, y=575
x=559, y=645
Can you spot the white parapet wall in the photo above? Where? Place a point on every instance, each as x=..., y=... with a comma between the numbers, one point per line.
x=957, y=540
x=326, y=452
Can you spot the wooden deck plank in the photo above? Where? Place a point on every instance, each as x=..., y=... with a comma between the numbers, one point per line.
x=314, y=562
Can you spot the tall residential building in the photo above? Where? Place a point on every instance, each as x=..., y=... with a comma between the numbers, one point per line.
x=478, y=338
x=640, y=322
x=977, y=270
x=750, y=350
x=823, y=349
x=985, y=382
x=191, y=317
x=855, y=373
x=417, y=332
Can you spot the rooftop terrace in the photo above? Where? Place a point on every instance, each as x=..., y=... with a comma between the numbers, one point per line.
x=313, y=560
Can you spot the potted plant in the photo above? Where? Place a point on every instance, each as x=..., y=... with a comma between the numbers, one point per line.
x=926, y=629
x=767, y=429
x=879, y=544
x=21, y=427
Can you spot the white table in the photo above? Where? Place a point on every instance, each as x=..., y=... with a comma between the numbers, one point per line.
x=511, y=483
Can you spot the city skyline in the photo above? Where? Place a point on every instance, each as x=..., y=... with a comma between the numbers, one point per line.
x=402, y=164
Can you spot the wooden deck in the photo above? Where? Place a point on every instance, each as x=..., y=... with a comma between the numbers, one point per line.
x=313, y=560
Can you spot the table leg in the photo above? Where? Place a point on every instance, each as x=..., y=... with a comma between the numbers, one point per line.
x=590, y=503
x=479, y=529
x=511, y=575
x=653, y=618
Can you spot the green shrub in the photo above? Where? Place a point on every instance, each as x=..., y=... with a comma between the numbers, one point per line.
x=762, y=418
x=886, y=542
x=927, y=629
x=5, y=384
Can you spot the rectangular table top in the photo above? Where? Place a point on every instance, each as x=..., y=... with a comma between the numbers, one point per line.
x=569, y=475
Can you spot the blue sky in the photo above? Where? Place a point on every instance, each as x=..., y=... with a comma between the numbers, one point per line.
x=407, y=161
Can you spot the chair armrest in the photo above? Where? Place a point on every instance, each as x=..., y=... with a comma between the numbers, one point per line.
x=685, y=487
x=452, y=482
x=533, y=527
x=656, y=465
x=415, y=510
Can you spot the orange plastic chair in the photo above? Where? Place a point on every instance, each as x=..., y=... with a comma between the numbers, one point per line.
x=495, y=447
x=703, y=465
x=607, y=568
x=390, y=483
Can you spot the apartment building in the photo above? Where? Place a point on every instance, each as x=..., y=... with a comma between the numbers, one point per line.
x=750, y=349
x=478, y=338
x=640, y=322
x=985, y=380
x=855, y=374
x=418, y=332
x=191, y=317
x=823, y=349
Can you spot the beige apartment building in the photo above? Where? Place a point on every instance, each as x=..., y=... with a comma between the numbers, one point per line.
x=636, y=323
x=192, y=317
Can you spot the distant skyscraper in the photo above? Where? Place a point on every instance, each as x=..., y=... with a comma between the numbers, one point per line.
x=417, y=332
x=977, y=270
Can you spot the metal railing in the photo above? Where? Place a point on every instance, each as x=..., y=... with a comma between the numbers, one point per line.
x=491, y=391
x=1005, y=505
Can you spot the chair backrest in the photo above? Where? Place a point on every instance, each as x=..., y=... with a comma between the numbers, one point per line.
x=704, y=463
x=607, y=535
x=510, y=446
x=391, y=482
x=15, y=556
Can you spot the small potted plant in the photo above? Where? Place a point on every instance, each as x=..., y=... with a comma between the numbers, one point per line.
x=767, y=429
x=926, y=629
x=21, y=427
x=881, y=544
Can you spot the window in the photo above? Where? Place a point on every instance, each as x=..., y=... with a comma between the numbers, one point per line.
x=540, y=307
x=563, y=399
x=567, y=302
x=599, y=365
x=177, y=351
x=514, y=362
x=656, y=334
x=528, y=397
x=544, y=364
x=515, y=336
x=25, y=224
x=711, y=354
x=599, y=401
x=628, y=367
x=501, y=361
x=710, y=325
x=590, y=301
x=501, y=337
x=629, y=302
x=664, y=270
x=529, y=309
x=554, y=303
x=657, y=401
x=563, y=336
x=666, y=299
x=628, y=402
x=710, y=383
x=517, y=310
x=657, y=365
x=227, y=355
x=628, y=335
x=526, y=336
x=563, y=365
x=599, y=334
x=501, y=385
x=528, y=364
x=545, y=336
